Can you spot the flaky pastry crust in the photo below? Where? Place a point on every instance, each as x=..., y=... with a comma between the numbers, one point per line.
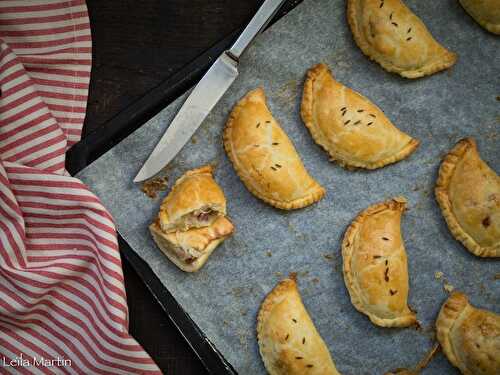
x=288, y=340
x=195, y=201
x=264, y=157
x=485, y=12
x=468, y=192
x=393, y=36
x=470, y=337
x=353, y=130
x=375, y=265
x=189, y=250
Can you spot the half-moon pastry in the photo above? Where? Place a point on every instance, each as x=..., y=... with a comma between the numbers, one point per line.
x=485, y=12
x=393, y=36
x=353, y=130
x=470, y=337
x=468, y=192
x=375, y=265
x=265, y=158
x=195, y=201
x=289, y=343
x=192, y=220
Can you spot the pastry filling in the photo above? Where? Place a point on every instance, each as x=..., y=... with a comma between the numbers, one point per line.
x=204, y=214
x=200, y=217
x=190, y=245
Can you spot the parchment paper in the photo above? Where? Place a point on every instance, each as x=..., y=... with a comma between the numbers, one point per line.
x=223, y=298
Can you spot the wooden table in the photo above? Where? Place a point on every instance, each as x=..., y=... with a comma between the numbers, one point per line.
x=141, y=49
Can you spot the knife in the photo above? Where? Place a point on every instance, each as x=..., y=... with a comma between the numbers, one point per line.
x=205, y=95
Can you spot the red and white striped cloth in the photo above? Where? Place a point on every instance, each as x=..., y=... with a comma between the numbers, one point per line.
x=62, y=299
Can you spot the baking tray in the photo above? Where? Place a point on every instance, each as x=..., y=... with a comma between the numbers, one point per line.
x=223, y=298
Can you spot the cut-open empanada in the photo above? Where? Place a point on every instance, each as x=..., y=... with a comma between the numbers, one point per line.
x=485, y=12
x=265, y=158
x=375, y=265
x=470, y=337
x=195, y=201
x=468, y=192
x=393, y=36
x=353, y=130
x=192, y=220
x=288, y=340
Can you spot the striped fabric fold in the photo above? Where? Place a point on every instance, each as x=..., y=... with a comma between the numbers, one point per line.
x=63, y=306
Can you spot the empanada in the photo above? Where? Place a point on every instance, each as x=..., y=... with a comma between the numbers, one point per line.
x=265, y=158
x=288, y=340
x=375, y=265
x=468, y=192
x=192, y=222
x=470, y=337
x=189, y=250
x=392, y=35
x=195, y=201
x=485, y=12
x=353, y=130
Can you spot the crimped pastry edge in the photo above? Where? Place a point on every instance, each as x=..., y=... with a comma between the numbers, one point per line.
x=397, y=203
x=285, y=285
x=311, y=198
x=446, y=172
x=450, y=311
x=447, y=60
x=491, y=27
x=306, y=112
x=205, y=169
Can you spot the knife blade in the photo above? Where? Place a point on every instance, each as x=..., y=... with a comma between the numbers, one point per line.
x=205, y=95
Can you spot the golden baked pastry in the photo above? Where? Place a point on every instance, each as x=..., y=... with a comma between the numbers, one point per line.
x=468, y=192
x=265, y=158
x=393, y=36
x=485, y=12
x=195, y=201
x=288, y=340
x=189, y=250
x=353, y=130
x=192, y=220
x=375, y=265
x=470, y=337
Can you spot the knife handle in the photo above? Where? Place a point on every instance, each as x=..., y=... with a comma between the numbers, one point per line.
x=263, y=16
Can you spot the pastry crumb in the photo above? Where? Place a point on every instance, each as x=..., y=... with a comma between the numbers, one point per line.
x=438, y=275
x=328, y=256
x=498, y=98
x=153, y=186
x=279, y=274
x=496, y=277
x=269, y=254
x=448, y=287
x=315, y=280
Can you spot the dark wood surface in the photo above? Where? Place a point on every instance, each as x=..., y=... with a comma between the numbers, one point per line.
x=152, y=328
x=139, y=44
x=136, y=47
